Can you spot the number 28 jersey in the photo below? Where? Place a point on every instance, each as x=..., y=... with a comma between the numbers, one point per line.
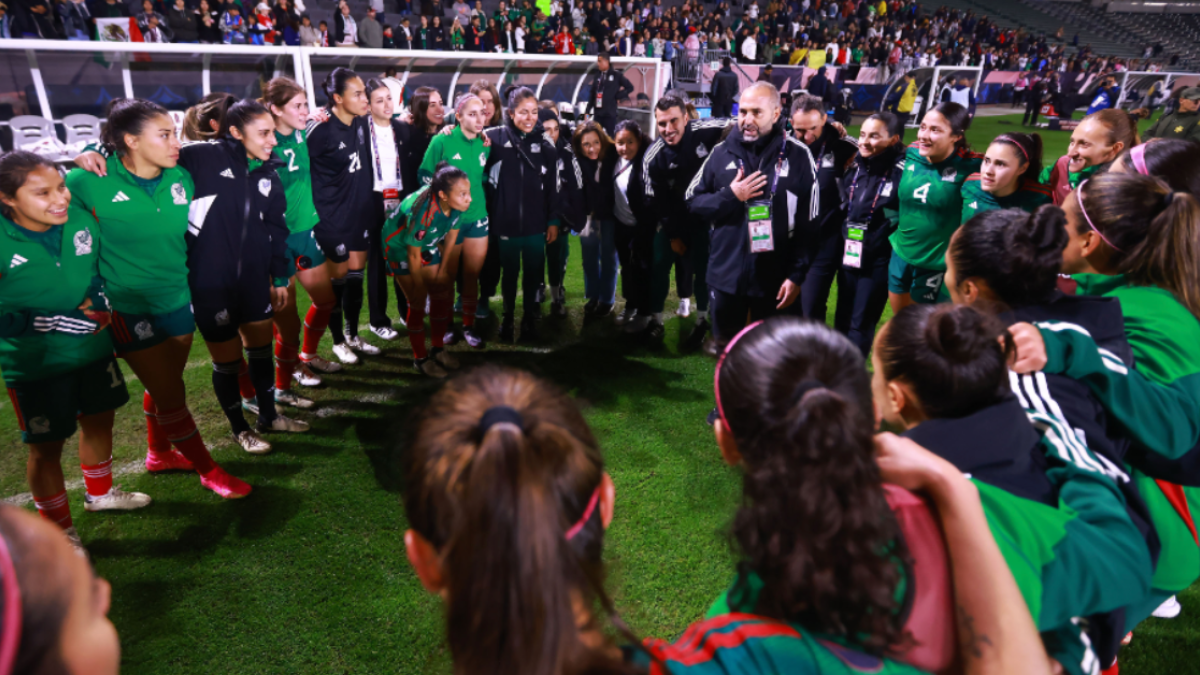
x=301, y=213
x=931, y=206
x=342, y=181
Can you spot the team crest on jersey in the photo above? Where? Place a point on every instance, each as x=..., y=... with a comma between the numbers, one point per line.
x=178, y=194
x=222, y=318
x=143, y=330
x=536, y=148
x=483, y=159
x=83, y=242
x=360, y=136
x=949, y=174
x=701, y=151
x=887, y=189
x=341, y=249
x=827, y=161
x=39, y=425
x=264, y=186
x=420, y=235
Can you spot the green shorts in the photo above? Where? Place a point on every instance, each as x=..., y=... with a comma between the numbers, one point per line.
x=134, y=332
x=475, y=230
x=303, y=253
x=48, y=408
x=428, y=257
x=924, y=285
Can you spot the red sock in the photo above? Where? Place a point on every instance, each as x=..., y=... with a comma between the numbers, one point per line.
x=285, y=363
x=439, y=317
x=56, y=509
x=416, y=329
x=181, y=429
x=98, y=477
x=470, y=303
x=155, y=438
x=244, y=383
x=315, y=323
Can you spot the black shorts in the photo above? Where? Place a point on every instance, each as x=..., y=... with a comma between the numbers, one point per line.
x=337, y=245
x=219, y=312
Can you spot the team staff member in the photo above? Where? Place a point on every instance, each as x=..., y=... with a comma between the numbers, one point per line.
x=936, y=166
x=597, y=158
x=608, y=87
x=389, y=187
x=822, y=242
x=523, y=207
x=673, y=160
x=1183, y=123
x=1095, y=143
x=571, y=197
x=1007, y=178
x=466, y=148
x=339, y=150
x=635, y=227
x=872, y=200
x=141, y=205
x=55, y=354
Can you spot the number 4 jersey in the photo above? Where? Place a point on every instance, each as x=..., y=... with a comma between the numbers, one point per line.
x=931, y=206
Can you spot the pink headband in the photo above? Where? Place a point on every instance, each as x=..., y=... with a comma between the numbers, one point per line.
x=10, y=638
x=1079, y=198
x=1138, y=155
x=721, y=362
x=587, y=514
x=1013, y=141
x=462, y=101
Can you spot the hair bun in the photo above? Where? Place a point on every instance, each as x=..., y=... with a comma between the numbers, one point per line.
x=959, y=334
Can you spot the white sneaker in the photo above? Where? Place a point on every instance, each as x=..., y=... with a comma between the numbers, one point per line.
x=305, y=377
x=252, y=443
x=319, y=364
x=685, y=308
x=116, y=500
x=282, y=423
x=359, y=345
x=345, y=354
x=445, y=359
x=385, y=333
x=76, y=543
x=625, y=316
x=290, y=397
x=1169, y=609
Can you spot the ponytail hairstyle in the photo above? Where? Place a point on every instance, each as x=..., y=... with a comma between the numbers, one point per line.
x=426, y=205
x=1151, y=231
x=198, y=121
x=240, y=114
x=15, y=167
x=503, y=481
x=1029, y=149
x=420, y=108
x=38, y=587
x=949, y=355
x=515, y=96
x=127, y=117
x=890, y=122
x=373, y=84
x=815, y=525
x=959, y=119
x=280, y=91
x=497, y=103
x=336, y=82
x=1121, y=129
x=1171, y=159
x=1017, y=254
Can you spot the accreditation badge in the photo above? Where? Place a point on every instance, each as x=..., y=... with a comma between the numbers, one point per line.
x=856, y=233
x=762, y=239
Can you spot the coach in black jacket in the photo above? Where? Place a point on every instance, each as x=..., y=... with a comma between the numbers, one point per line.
x=609, y=87
x=755, y=265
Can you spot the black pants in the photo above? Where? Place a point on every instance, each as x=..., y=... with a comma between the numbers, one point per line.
x=731, y=313
x=685, y=275
x=1031, y=112
x=724, y=109
x=609, y=122
x=635, y=272
x=862, y=297
x=814, y=290
x=377, y=277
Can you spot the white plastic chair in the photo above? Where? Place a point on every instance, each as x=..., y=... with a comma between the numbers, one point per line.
x=29, y=129
x=81, y=128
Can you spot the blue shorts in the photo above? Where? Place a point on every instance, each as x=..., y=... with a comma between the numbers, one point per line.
x=924, y=285
x=134, y=332
x=303, y=253
x=47, y=409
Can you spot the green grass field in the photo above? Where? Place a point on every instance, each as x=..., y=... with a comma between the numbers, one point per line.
x=308, y=574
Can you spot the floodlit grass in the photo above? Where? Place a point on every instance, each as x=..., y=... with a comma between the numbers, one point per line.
x=308, y=574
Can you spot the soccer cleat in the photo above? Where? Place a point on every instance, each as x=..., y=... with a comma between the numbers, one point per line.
x=451, y=336
x=638, y=323
x=1169, y=609
x=445, y=359
x=655, y=331
x=167, y=461
x=359, y=345
x=427, y=366
x=473, y=338
x=281, y=423
x=685, y=308
x=506, y=328
x=225, y=485
x=385, y=332
x=695, y=339
x=252, y=443
x=305, y=377
x=625, y=316
x=116, y=500
x=320, y=365
x=603, y=310
x=345, y=354
x=290, y=397
x=76, y=544
x=250, y=405
x=484, y=309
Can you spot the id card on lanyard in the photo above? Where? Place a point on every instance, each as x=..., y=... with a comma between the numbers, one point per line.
x=856, y=232
x=758, y=211
x=391, y=188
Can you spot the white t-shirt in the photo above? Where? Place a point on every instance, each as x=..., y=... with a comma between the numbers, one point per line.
x=519, y=36
x=351, y=27
x=621, y=208
x=387, y=170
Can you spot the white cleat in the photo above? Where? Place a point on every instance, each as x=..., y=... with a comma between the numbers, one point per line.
x=290, y=397
x=345, y=354
x=685, y=308
x=305, y=377
x=1169, y=609
x=320, y=365
x=76, y=543
x=282, y=423
x=116, y=500
x=359, y=345
x=252, y=443
x=385, y=332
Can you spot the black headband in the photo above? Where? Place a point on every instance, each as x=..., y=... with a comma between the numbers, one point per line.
x=498, y=415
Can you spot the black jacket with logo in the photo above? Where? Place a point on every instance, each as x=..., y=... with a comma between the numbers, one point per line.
x=872, y=196
x=571, y=186
x=615, y=86
x=833, y=155
x=523, y=184
x=668, y=170
x=342, y=181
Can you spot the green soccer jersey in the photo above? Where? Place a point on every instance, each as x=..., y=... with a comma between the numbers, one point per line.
x=42, y=331
x=930, y=207
x=975, y=200
x=301, y=215
x=470, y=156
x=143, y=253
x=399, y=232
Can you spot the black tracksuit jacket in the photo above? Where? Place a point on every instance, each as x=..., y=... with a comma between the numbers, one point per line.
x=523, y=184
x=343, y=180
x=668, y=170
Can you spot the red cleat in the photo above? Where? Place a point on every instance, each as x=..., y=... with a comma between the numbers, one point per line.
x=1111, y=670
x=167, y=461
x=225, y=485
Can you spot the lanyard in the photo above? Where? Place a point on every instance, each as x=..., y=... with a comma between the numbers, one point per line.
x=628, y=166
x=375, y=153
x=874, y=202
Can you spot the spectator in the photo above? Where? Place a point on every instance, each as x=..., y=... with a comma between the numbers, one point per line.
x=377, y=5
x=5, y=23
x=113, y=9
x=421, y=36
x=208, y=24
x=310, y=36
x=76, y=19
x=438, y=39
x=143, y=19
x=563, y=44
x=283, y=14
x=519, y=34
x=402, y=36
x=290, y=34
x=233, y=26
x=34, y=19
x=389, y=38
x=263, y=25
x=370, y=33
x=462, y=12
x=323, y=28
x=183, y=23
x=345, y=28
x=725, y=87
x=457, y=40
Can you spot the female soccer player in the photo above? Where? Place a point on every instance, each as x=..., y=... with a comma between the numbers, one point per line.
x=1008, y=177
x=55, y=354
x=288, y=104
x=930, y=205
x=634, y=235
x=141, y=206
x=1095, y=143
x=421, y=243
x=339, y=151
x=597, y=157
x=466, y=148
x=523, y=207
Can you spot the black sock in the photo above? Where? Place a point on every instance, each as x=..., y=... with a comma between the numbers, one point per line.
x=262, y=374
x=352, y=301
x=335, y=317
x=229, y=396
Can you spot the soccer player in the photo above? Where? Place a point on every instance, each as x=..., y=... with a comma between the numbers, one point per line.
x=1007, y=178
x=421, y=244
x=55, y=353
x=936, y=167
x=466, y=148
x=1095, y=143
x=140, y=205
